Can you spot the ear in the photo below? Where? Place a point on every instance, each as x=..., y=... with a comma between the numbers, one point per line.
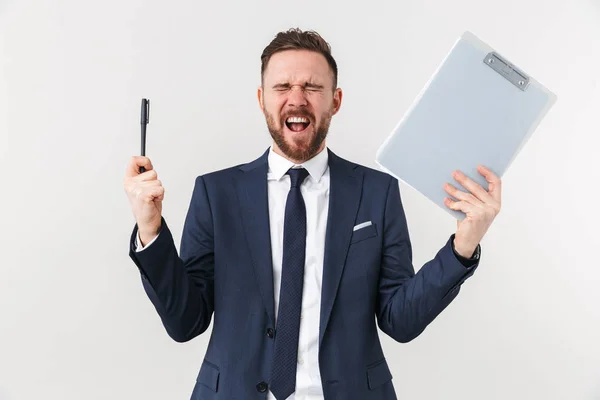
x=259, y=95
x=337, y=100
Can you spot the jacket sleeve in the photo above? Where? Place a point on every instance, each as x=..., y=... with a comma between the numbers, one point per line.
x=181, y=287
x=408, y=302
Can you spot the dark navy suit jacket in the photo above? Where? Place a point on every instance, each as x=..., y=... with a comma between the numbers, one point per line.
x=224, y=271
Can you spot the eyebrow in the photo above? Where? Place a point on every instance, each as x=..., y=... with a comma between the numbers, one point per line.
x=306, y=85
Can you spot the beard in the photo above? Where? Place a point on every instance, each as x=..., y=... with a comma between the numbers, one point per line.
x=302, y=148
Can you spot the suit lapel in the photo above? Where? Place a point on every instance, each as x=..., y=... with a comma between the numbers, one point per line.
x=344, y=198
x=254, y=205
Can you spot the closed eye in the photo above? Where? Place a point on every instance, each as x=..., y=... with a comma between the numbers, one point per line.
x=312, y=87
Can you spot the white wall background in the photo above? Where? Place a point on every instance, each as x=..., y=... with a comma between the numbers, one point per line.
x=74, y=321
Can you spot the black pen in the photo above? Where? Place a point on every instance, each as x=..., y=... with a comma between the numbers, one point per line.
x=145, y=118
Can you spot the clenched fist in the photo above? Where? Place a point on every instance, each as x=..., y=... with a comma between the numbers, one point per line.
x=145, y=193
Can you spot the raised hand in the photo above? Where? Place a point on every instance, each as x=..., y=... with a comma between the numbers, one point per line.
x=145, y=193
x=481, y=207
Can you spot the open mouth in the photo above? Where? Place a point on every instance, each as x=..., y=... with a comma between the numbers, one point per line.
x=297, y=124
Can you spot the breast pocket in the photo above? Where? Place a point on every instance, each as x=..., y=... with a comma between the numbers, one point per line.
x=363, y=233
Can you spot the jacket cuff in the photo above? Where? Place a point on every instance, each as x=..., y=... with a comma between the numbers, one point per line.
x=467, y=262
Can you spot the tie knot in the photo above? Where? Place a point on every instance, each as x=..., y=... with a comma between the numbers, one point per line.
x=297, y=175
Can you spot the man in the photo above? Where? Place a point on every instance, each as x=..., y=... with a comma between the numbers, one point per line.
x=298, y=252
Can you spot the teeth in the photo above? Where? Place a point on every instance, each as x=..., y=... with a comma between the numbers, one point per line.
x=297, y=120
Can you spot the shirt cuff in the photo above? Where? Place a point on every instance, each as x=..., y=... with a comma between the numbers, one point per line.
x=467, y=262
x=138, y=241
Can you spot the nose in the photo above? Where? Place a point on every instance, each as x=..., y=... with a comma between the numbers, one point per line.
x=297, y=97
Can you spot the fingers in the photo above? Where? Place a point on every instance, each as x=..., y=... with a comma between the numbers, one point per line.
x=494, y=181
x=488, y=174
x=159, y=194
x=133, y=168
x=462, y=205
x=472, y=186
x=152, y=183
x=459, y=194
x=155, y=193
x=136, y=185
x=151, y=175
x=150, y=193
x=491, y=197
x=145, y=186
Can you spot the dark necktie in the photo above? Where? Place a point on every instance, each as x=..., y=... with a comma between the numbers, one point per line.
x=285, y=356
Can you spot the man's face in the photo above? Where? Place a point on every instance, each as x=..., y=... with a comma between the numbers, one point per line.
x=298, y=101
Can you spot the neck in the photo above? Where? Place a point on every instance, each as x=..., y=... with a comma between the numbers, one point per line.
x=277, y=150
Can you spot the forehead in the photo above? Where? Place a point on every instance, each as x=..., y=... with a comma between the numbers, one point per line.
x=297, y=66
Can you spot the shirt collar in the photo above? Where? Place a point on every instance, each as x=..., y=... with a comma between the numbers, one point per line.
x=316, y=166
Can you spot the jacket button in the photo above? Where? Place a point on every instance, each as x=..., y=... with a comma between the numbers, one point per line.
x=270, y=333
x=262, y=387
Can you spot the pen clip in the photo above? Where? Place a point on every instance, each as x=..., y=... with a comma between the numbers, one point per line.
x=145, y=118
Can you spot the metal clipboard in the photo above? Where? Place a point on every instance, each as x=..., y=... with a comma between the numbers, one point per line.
x=477, y=108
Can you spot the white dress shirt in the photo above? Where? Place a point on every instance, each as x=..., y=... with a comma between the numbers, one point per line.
x=315, y=192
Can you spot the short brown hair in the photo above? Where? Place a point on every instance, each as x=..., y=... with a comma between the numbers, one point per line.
x=296, y=39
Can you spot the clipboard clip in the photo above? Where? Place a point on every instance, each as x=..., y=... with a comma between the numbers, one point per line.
x=507, y=70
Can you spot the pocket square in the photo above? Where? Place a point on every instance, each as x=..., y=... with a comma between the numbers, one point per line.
x=362, y=225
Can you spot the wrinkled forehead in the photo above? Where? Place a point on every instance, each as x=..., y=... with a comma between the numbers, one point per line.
x=298, y=67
